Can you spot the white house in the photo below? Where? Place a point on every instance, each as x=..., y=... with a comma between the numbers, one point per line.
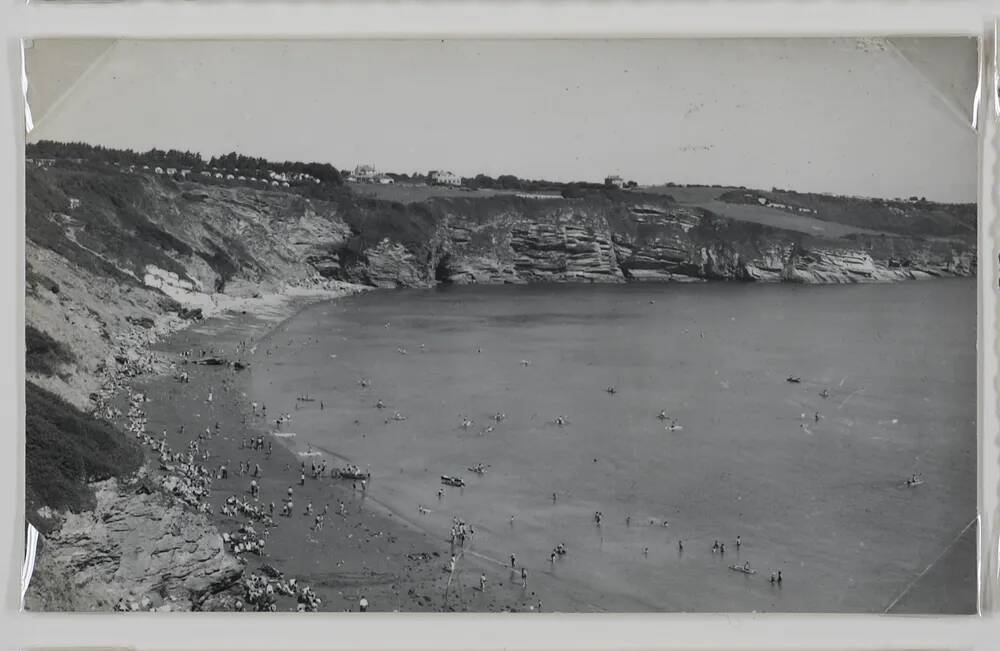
x=366, y=174
x=284, y=184
x=206, y=173
x=158, y=170
x=218, y=175
x=230, y=177
x=74, y=203
x=386, y=180
x=171, y=171
x=445, y=178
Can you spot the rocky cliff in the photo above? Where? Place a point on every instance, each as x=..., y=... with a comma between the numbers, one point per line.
x=135, y=550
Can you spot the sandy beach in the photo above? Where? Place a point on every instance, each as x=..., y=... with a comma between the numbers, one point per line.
x=364, y=551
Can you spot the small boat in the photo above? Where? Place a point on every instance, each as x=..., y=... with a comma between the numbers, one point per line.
x=794, y=379
x=612, y=390
x=452, y=481
x=674, y=428
x=479, y=468
x=824, y=394
x=305, y=399
x=351, y=473
x=740, y=568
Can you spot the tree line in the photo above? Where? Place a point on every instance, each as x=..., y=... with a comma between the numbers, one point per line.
x=233, y=161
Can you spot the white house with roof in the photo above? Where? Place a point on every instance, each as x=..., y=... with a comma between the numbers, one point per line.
x=614, y=180
x=445, y=178
x=366, y=174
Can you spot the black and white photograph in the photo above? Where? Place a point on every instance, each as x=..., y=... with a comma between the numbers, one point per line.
x=534, y=326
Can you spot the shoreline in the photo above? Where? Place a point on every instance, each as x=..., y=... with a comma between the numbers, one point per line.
x=369, y=551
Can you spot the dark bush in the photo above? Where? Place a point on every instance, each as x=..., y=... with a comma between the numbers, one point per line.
x=43, y=354
x=66, y=448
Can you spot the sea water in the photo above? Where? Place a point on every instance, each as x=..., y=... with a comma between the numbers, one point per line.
x=824, y=501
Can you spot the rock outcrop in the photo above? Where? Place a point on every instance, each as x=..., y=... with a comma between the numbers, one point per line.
x=136, y=548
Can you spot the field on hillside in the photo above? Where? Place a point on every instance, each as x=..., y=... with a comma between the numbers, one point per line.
x=408, y=193
x=834, y=216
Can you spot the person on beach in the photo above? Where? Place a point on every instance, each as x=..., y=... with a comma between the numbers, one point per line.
x=738, y=542
x=722, y=548
x=628, y=520
x=440, y=493
x=302, y=479
x=552, y=556
x=553, y=497
x=256, y=470
x=482, y=582
x=309, y=508
x=645, y=551
x=524, y=577
x=270, y=509
x=451, y=565
x=512, y=561
x=289, y=492
x=772, y=578
x=715, y=546
x=779, y=576
x=363, y=604
x=680, y=545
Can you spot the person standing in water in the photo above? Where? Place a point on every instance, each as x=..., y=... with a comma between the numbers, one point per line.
x=512, y=561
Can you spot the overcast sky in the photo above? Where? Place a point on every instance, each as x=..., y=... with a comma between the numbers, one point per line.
x=865, y=117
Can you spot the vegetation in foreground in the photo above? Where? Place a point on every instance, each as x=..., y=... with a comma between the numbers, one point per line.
x=65, y=449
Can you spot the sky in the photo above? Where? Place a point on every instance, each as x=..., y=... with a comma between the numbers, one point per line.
x=867, y=117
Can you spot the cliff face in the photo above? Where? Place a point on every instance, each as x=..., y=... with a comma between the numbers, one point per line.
x=135, y=550
x=211, y=238
x=577, y=241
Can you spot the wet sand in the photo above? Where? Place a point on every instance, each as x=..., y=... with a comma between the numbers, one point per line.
x=368, y=552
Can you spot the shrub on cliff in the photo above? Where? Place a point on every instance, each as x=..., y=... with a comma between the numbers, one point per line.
x=43, y=354
x=65, y=449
